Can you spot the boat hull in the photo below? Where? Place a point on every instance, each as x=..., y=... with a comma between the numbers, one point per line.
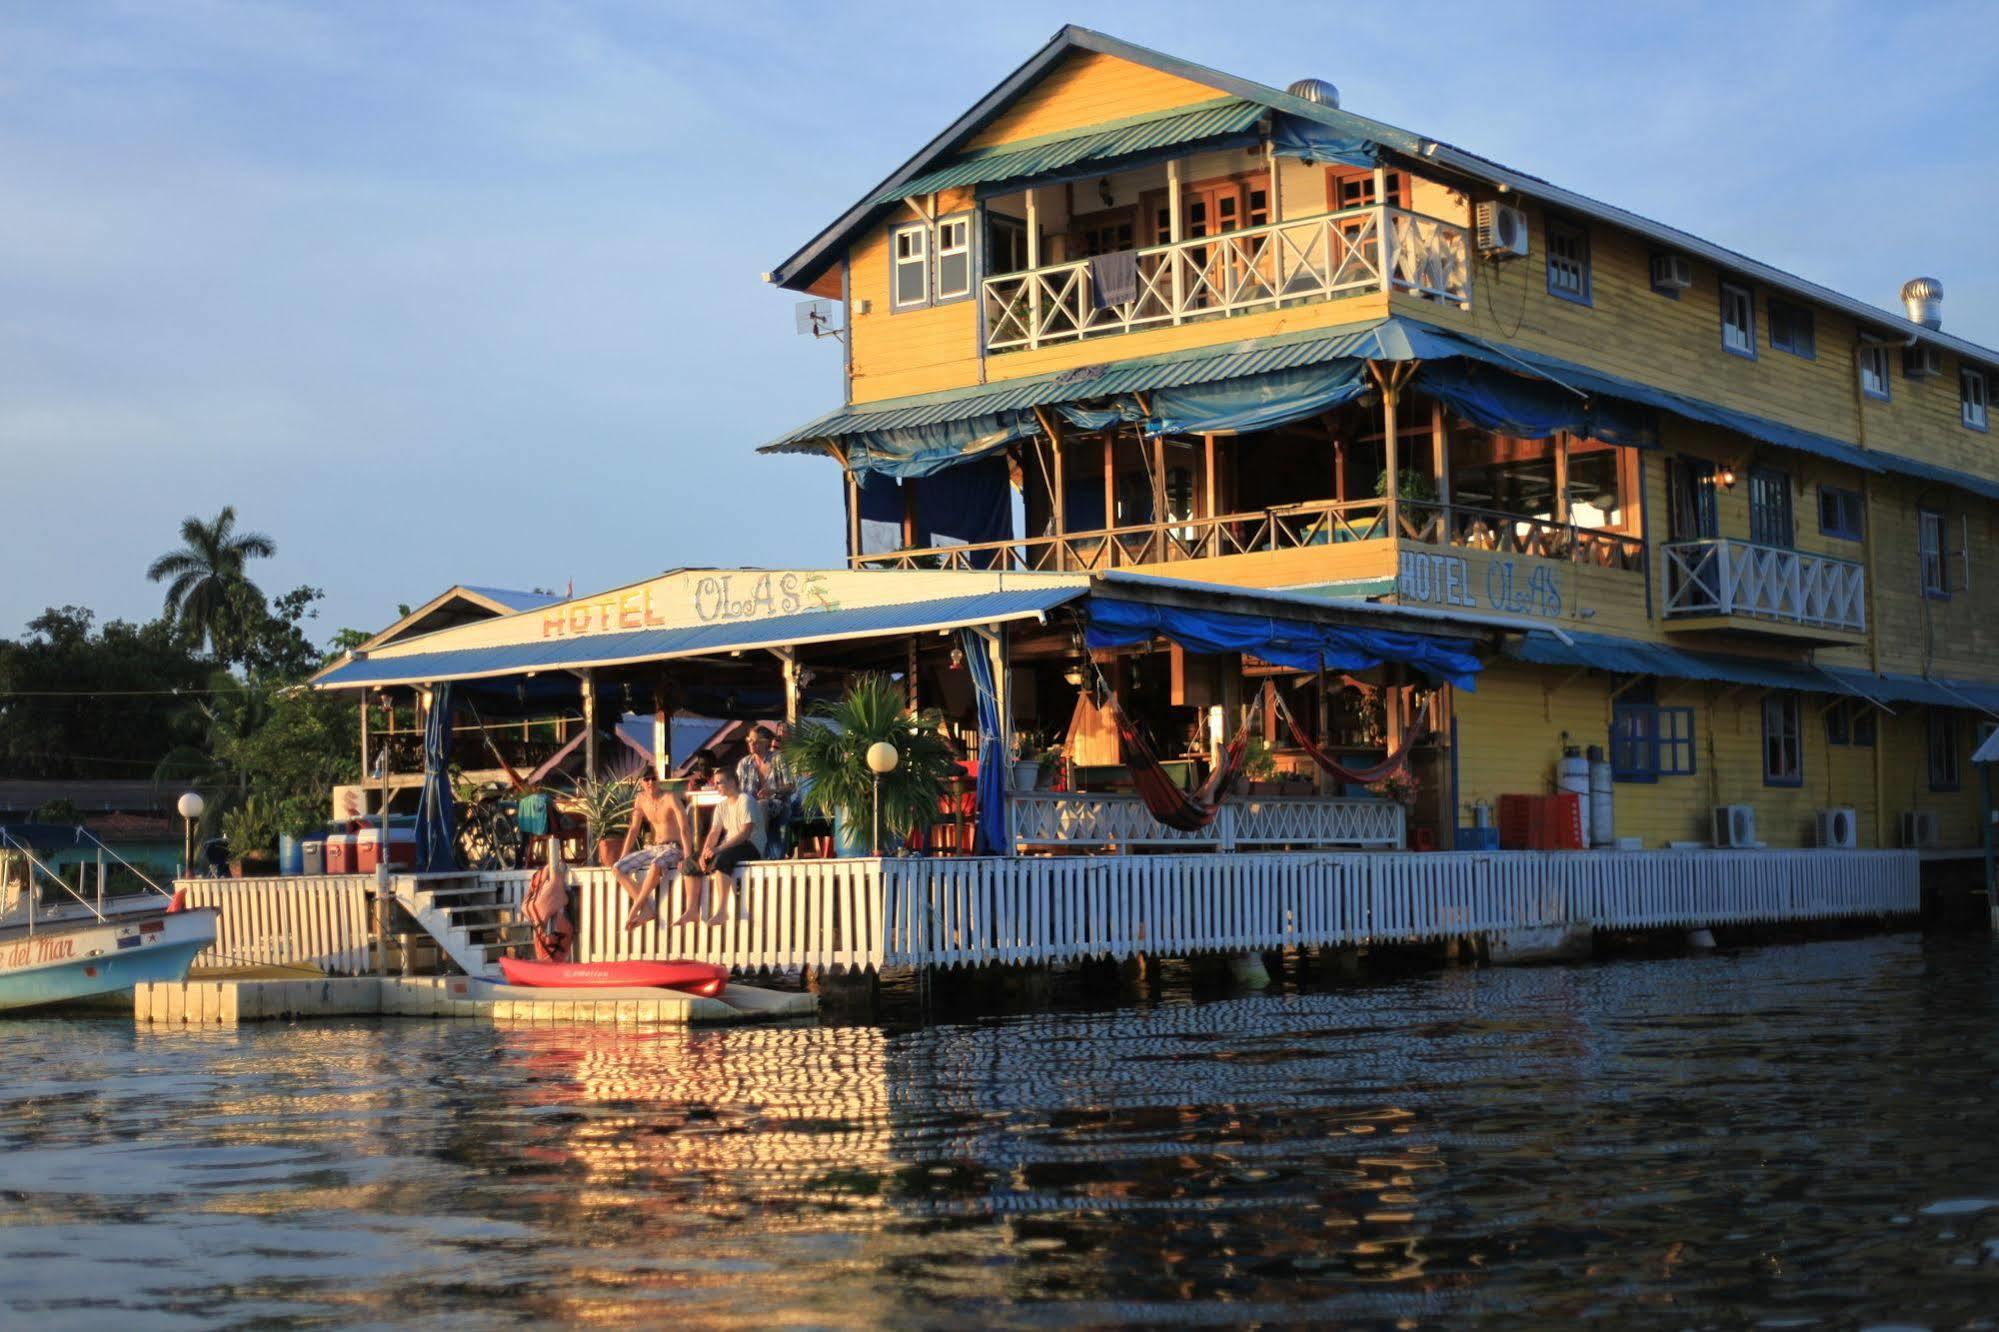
x=78, y=962
x=699, y=977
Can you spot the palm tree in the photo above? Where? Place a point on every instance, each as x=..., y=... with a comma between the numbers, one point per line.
x=829, y=753
x=208, y=588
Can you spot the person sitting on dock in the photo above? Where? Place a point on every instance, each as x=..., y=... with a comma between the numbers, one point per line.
x=765, y=779
x=656, y=808
x=735, y=837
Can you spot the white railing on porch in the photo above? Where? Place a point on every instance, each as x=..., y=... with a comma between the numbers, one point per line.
x=1235, y=272
x=318, y=922
x=862, y=913
x=1726, y=577
x=1043, y=819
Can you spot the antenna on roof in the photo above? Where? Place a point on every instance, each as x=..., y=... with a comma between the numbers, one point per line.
x=816, y=318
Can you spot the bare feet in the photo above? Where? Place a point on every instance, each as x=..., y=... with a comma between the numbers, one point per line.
x=697, y=898
x=643, y=910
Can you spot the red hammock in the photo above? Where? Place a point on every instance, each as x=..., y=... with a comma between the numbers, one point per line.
x=1183, y=811
x=1359, y=776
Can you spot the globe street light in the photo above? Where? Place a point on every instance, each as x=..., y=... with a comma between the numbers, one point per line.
x=882, y=758
x=190, y=806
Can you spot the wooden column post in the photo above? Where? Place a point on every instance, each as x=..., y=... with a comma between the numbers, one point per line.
x=1155, y=541
x=589, y=723
x=1440, y=465
x=1325, y=728
x=1391, y=455
x=1058, y=486
x=1561, y=478
x=1033, y=262
x=662, y=730
x=1110, y=496
x=909, y=668
x=1175, y=233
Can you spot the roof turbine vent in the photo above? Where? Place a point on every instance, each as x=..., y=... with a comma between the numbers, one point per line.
x=1316, y=90
x=1923, y=299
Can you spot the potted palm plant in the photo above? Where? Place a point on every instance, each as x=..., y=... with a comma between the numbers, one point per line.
x=828, y=754
x=252, y=830
x=606, y=807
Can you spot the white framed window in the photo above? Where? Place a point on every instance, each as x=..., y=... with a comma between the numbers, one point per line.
x=954, y=258
x=909, y=258
x=1568, y=261
x=1738, y=319
x=1973, y=397
x=1874, y=379
x=1930, y=526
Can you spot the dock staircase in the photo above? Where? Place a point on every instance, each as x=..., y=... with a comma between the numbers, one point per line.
x=475, y=922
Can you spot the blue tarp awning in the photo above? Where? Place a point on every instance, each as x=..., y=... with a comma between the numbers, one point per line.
x=1300, y=645
x=613, y=649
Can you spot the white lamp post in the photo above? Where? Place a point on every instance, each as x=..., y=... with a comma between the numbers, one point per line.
x=190, y=806
x=882, y=758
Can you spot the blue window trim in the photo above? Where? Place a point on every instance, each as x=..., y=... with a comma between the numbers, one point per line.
x=1842, y=532
x=1799, y=313
x=1749, y=353
x=970, y=218
x=1782, y=700
x=1657, y=753
x=1930, y=751
x=1943, y=555
x=896, y=305
x=1580, y=234
x=1886, y=392
x=1972, y=371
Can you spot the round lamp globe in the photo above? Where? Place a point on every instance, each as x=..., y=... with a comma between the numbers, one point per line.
x=882, y=757
x=190, y=805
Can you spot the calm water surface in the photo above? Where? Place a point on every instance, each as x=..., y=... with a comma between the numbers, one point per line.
x=1786, y=1136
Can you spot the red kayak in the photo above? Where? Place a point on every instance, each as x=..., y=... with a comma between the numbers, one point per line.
x=703, y=978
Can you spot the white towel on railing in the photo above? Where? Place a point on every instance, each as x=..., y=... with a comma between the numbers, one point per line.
x=1114, y=279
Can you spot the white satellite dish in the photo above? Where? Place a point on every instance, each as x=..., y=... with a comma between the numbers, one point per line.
x=815, y=317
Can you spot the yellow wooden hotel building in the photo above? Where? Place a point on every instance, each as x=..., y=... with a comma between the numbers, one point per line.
x=1732, y=528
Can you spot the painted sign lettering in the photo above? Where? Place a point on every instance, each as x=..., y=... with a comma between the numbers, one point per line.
x=1513, y=586
x=37, y=952
x=629, y=609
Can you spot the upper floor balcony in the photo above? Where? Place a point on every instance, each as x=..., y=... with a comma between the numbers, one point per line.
x=1719, y=583
x=1327, y=256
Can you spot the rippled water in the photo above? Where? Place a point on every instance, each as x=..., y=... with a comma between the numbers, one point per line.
x=1786, y=1135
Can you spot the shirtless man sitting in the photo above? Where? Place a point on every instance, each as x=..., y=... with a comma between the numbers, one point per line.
x=658, y=809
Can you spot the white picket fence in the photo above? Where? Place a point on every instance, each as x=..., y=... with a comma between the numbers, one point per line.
x=310, y=921
x=859, y=914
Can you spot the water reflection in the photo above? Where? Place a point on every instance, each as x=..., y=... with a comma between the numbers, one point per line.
x=1801, y=1132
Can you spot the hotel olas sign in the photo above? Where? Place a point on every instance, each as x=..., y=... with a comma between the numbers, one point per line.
x=1480, y=582
x=721, y=597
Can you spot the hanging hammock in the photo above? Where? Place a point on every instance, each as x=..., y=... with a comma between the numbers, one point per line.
x=1181, y=810
x=1358, y=776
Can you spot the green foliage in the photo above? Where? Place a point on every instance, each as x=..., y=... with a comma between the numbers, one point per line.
x=251, y=827
x=209, y=597
x=607, y=806
x=1411, y=484
x=77, y=702
x=829, y=750
x=59, y=811
x=1259, y=764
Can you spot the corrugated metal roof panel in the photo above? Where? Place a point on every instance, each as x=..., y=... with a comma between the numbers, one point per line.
x=514, y=599
x=1216, y=120
x=658, y=644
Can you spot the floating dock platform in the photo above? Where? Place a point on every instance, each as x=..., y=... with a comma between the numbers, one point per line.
x=229, y=1002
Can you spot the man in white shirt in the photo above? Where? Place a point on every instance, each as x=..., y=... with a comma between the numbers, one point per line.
x=734, y=837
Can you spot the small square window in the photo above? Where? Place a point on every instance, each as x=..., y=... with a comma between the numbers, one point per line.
x=910, y=257
x=1568, y=261
x=1874, y=378
x=1840, y=513
x=1783, y=748
x=1973, y=397
x=1648, y=742
x=1738, y=320
x=1791, y=329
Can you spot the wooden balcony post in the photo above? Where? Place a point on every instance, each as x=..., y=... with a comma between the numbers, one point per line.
x=1033, y=263
x=1175, y=233
x=1058, y=486
x=1157, y=548
x=589, y=722
x=1110, y=496
x=1391, y=458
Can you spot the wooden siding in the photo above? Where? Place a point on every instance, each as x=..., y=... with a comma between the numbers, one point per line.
x=1088, y=88
x=1511, y=732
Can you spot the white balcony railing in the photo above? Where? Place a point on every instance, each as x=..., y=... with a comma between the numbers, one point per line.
x=1235, y=272
x=1044, y=819
x=1722, y=577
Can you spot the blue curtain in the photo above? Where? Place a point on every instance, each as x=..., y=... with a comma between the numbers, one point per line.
x=992, y=838
x=922, y=450
x=435, y=820
x=1295, y=136
x=881, y=513
x=1232, y=406
x=972, y=503
x=1297, y=644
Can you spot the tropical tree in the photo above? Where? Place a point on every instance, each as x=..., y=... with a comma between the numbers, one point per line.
x=829, y=752
x=209, y=594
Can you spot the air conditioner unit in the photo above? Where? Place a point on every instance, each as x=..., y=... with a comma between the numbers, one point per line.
x=1922, y=361
x=1919, y=828
x=1838, y=828
x=1502, y=230
x=1735, y=825
x=1672, y=272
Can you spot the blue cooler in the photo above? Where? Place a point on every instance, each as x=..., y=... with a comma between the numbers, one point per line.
x=291, y=857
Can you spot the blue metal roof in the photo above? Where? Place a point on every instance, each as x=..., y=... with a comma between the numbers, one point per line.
x=1889, y=688
x=657, y=644
x=1028, y=159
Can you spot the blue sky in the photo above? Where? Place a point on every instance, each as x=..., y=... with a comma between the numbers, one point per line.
x=439, y=292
